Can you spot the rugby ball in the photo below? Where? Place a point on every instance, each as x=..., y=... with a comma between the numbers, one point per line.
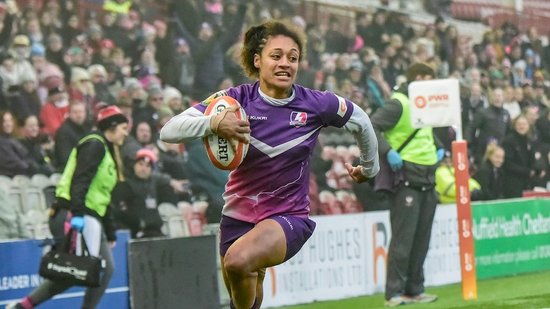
x=219, y=150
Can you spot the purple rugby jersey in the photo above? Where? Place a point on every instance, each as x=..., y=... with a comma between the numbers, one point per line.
x=274, y=176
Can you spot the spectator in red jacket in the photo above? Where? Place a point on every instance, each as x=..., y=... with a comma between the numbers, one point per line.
x=55, y=110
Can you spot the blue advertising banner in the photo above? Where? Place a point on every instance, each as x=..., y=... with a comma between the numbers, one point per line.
x=19, y=261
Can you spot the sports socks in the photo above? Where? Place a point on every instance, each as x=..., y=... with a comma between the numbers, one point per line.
x=26, y=303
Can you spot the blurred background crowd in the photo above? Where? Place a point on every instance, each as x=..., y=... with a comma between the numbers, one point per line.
x=62, y=61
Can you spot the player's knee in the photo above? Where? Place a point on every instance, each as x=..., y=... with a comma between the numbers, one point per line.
x=235, y=263
x=261, y=274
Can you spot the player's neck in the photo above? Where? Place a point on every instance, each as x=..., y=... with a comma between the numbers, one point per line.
x=276, y=100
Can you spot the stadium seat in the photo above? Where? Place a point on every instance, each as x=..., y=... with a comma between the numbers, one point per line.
x=27, y=193
x=21, y=180
x=36, y=223
x=174, y=223
x=167, y=210
x=55, y=178
x=211, y=229
x=17, y=198
x=34, y=198
x=5, y=181
x=10, y=216
x=177, y=227
x=40, y=181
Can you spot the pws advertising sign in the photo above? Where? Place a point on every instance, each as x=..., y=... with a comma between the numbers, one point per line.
x=435, y=103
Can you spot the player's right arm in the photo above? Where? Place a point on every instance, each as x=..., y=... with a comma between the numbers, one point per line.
x=188, y=125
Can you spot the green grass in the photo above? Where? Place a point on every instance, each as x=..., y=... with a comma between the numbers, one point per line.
x=525, y=292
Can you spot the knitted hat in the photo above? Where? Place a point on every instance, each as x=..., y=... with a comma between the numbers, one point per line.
x=132, y=85
x=21, y=39
x=97, y=69
x=419, y=68
x=107, y=43
x=27, y=76
x=146, y=155
x=110, y=117
x=79, y=74
x=50, y=70
x=180, y=42
x=154, y=89
x=37, y=49
x=170, y=93
x=75, y=50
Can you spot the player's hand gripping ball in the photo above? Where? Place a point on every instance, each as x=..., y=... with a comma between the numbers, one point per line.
x=223, y=153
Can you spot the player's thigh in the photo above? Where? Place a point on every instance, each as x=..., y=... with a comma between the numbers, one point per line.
x=262, y=246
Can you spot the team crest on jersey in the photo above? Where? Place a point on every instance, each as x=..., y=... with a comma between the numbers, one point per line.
x=342, y=106
x=298, y=119
x=211, y=98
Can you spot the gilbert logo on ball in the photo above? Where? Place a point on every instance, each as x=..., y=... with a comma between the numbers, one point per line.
x=224, y=154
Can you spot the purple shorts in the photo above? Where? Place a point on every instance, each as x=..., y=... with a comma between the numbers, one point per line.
x=297, y=232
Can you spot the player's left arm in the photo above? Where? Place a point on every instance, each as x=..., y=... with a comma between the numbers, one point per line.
x=360, y=126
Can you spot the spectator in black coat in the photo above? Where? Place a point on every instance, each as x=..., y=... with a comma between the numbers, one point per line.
x=335, y=39
x=474, y=102
x=39, y=146
x=521, y=169
x=70, y=132
x=98, y=77
x=378, y=32
x=208, y=46
x=543, y=127
x=136, y=199
x=8, y=17
x=54, y=50
x=490, y=124
x=15, y=158
x=180, y=71
x=26, y=102
x=490, y=174
x=124, y=34
x=150, y=111
x=172, y=160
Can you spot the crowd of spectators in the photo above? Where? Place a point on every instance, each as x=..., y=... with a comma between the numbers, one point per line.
x=59, y=67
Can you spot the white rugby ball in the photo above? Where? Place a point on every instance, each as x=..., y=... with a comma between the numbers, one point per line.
x=219, y=150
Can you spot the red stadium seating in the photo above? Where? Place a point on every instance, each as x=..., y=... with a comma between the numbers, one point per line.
x=494, y=13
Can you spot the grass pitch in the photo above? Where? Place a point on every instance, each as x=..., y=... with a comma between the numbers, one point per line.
x=521, y=292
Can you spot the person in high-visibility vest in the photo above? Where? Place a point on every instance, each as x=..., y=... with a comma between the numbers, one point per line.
x=414, y=156
x=117, y=6
x=445, y=183
x=83, y=197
